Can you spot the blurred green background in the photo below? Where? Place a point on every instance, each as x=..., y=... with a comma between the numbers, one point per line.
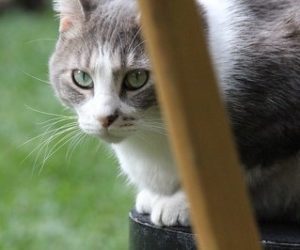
x=68, y=202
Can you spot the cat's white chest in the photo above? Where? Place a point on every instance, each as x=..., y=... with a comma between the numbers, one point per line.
x=147, y=161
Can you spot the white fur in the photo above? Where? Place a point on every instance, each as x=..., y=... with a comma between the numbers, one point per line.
x=146, y=159
x=165, y=210
x=171, y=210
x=222, y=33
x=105, y=99
x=145, y=201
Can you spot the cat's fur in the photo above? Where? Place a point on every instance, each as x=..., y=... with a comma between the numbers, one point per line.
x=255, y=47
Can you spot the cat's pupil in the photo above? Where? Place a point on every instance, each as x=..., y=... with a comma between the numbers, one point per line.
x=82, y=79
x=136, y=79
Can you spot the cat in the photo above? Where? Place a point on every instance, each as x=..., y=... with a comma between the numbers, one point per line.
x=100, y=68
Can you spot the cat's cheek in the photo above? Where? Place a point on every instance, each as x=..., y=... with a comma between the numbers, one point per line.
x=85, y=126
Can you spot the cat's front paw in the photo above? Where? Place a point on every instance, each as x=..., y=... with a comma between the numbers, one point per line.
x=144, y=202
x=171, y=210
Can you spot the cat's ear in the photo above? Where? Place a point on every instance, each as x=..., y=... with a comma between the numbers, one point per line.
x=73, y=13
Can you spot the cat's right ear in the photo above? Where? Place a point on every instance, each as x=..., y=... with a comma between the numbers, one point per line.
x=72, y=14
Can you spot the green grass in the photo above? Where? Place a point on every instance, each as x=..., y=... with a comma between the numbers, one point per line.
x=77, y=203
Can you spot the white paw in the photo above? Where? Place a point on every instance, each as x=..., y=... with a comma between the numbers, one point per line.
x=144, y=202
x=171, y=210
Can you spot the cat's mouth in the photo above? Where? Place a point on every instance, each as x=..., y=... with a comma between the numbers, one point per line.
x=107, y=135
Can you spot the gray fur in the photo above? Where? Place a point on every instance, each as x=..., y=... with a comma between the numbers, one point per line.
x=117, y=32
x=142, y=100
x=258, y=69
x=260, y=75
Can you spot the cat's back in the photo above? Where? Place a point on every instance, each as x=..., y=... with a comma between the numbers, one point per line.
x=269, y=21
x=242, y=23
x=256, y=49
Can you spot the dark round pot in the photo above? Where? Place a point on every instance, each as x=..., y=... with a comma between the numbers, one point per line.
x=146, y=236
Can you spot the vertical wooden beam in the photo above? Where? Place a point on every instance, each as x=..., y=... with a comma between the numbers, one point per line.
x=198, y=126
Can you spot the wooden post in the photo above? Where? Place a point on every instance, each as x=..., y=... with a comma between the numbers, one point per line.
x=198, y=126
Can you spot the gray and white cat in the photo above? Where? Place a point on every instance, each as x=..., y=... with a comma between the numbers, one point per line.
x=100, y=69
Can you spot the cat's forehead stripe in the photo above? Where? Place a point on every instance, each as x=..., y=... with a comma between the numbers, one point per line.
x=118, y=35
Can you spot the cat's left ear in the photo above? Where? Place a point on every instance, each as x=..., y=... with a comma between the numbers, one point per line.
x=73, y=13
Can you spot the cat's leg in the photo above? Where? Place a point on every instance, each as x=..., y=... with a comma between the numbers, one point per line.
x=171, y=210
x=145, y=201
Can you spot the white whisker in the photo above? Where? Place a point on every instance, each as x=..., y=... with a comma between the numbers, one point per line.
x=48, y=132
x=46, y=113
x=36, y=78
x=77, y=139
x=133, y=39
x=58, y=130
x=62, y=142
x=44, y=146
x=41, y=40
x=134, y=49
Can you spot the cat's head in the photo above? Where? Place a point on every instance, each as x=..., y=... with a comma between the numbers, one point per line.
x=100, y=68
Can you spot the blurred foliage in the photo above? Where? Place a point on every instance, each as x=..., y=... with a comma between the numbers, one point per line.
x=76, y=202
x=36, y=5
x=32, y=4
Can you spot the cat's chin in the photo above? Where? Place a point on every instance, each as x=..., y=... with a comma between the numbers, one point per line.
x=112, y=139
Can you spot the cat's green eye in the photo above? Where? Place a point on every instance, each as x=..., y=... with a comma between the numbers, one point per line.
x=82, y=79
x=136, y=79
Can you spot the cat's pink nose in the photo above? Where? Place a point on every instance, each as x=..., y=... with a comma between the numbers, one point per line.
x=108, y=120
